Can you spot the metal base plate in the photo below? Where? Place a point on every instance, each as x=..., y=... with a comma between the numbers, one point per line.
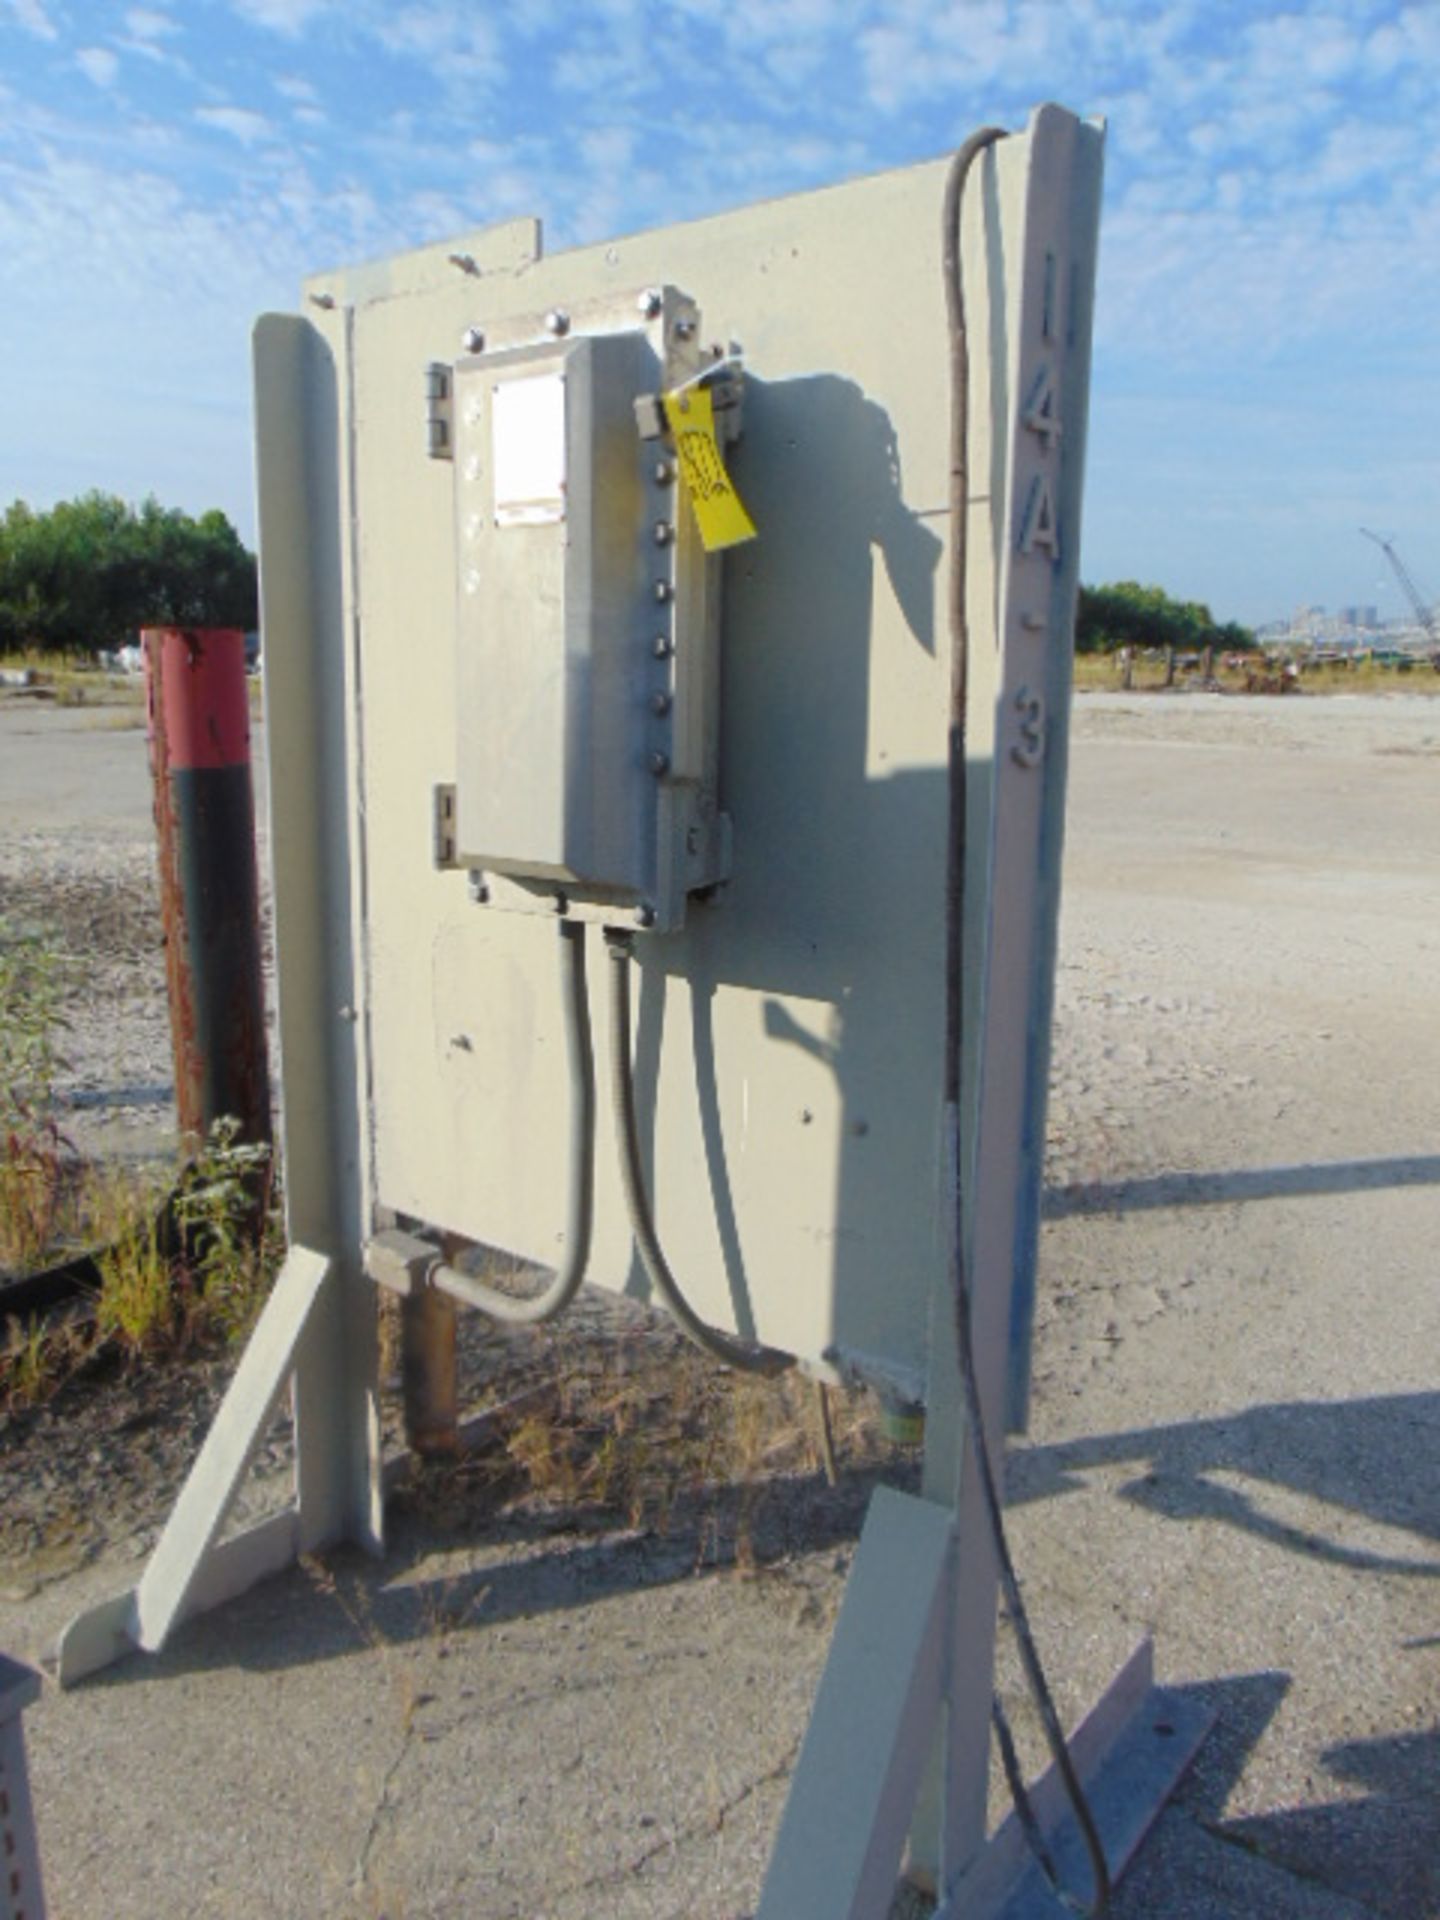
x=1130, y=1753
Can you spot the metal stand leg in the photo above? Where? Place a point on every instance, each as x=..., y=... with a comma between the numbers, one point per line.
x=188, y=1571
x=838, y=1850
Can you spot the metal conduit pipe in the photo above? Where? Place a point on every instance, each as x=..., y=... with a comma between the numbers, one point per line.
x=525, y=1310
x=724, y=1347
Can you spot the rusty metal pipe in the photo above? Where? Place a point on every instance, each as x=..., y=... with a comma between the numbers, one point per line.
x=428, y=1370
x=199, y=736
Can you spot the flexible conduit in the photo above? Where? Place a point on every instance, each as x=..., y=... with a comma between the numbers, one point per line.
x=723, y=1347
x=525, y=1310
x=954, y=1035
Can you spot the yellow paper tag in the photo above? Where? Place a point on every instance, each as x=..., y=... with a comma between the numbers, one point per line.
x=719, y=514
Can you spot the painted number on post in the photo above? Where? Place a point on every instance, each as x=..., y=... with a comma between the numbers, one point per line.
x=1030, y=748
x=1037, y=534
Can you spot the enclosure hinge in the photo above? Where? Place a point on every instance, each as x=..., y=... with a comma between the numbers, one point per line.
x=445, y=854
x=439, y=412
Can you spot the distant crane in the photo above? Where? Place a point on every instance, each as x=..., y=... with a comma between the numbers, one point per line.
x=1429, y=624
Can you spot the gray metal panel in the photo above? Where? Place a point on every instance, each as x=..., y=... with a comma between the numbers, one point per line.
x=610, y=801
x=786, y=1041
x=508, y=248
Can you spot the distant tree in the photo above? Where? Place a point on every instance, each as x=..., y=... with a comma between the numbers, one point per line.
x=1127, y=614
x=87, y=574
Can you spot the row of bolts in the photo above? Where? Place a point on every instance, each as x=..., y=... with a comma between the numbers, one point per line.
x=557, y=321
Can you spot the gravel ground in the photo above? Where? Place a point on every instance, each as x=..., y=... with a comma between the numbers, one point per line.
x=104, y=913
x=1232, y=1441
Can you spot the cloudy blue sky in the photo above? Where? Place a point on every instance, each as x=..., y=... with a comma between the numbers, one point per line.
x=1267, y=370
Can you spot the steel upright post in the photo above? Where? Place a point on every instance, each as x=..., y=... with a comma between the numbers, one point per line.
x=199, y=730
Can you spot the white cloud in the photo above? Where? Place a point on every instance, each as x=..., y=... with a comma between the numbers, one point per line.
x=916, y=54
x=304, y=108
x=1246, y=284
x=463, y=47
x=184, y=278
x=607, y=149
x=437, y=216
x=98, y=64
x=1313, y=47
x=423, y=30
x=145, y=23
x=289, y=18
x=241, y=123
x=31, y=15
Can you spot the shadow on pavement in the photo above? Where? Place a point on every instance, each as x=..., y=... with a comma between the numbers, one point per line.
x=1342, y=1859
x=533, y=1565
x=1382, y=1848
x=1369, y=1461
x=1373, y=1459
x=1243, y=1183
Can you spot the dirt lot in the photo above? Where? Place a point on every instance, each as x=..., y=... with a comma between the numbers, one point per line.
x=1233, y=1441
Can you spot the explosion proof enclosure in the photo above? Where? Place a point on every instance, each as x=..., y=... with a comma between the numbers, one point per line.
x=586, y=624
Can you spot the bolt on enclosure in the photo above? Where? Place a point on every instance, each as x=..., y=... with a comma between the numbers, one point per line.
x=587, y=621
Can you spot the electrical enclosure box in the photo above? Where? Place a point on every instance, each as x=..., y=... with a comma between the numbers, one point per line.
x=586, y=621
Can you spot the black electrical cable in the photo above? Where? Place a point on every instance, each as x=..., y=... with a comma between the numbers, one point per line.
x=954, y=1034
x=1020, y=1794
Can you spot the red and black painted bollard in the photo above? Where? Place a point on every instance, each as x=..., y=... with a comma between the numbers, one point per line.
x=205, y=821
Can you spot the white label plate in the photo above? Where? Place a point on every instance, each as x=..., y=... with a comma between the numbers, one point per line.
x=527, y=427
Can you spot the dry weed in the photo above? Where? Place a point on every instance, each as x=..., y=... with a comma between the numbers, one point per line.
x=354, y=1604
x=36, y=1159
x=139, y=1304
